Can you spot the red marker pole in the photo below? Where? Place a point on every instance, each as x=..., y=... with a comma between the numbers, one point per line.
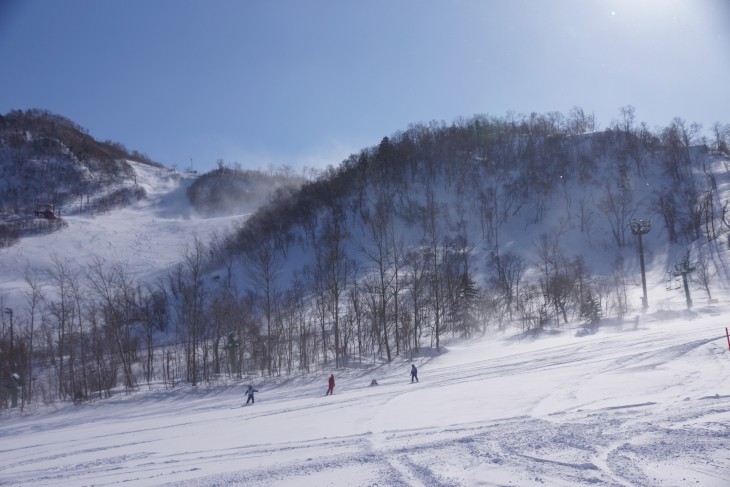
x=728, y=338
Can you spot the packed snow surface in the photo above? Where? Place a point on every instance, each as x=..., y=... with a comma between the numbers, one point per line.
x=647, y=403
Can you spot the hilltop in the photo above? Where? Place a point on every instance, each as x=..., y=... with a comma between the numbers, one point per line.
x=50, y=163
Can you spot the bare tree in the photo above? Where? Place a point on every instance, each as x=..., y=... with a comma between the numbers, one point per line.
x=34, y=300
x=416, y=285
x=667, y=208
x=617, y=207
x=222, y=251
x=553, y=283
x=396, y=242
x=291, y=313
x=618, y=293
x=722, y=134
x=433, y=243
x=356, y=313
x=690, y=220
x=509, y=269
x=704, y=274
x=114, y=288
x=377, y=251
x=319, y=287
x=336, y=270
x=104, y=378
x=264, y=270
x=60, y=278
x=707, y=212
x=80, y=382
x=188, y=292
x=628, y=117
x=152, y=315
x=579, y=122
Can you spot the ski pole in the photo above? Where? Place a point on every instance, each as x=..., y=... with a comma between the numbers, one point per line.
x=728, y=338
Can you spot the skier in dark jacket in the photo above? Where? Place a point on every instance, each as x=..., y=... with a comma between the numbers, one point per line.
x=331, y=385
x=414, y=373
x=249, y=392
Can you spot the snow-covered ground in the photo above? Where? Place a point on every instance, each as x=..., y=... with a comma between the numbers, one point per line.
x=643, y=404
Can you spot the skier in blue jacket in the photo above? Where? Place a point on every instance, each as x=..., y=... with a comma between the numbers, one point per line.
x=249, y=392
x=414, y=373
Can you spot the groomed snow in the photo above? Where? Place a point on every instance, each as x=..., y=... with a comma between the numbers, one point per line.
x=644, y=404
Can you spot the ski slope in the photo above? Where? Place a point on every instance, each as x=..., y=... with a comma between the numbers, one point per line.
x=643, y=404
x=147, y=237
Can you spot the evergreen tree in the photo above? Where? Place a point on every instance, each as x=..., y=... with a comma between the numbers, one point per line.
x=590, y=311
x=466, y=304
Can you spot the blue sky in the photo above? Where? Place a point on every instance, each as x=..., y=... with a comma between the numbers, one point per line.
x=306, y=83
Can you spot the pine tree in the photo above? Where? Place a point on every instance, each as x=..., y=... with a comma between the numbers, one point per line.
x=467, y=298
x=590, y=311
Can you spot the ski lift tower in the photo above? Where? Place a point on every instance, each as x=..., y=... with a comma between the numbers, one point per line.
x=639, y=228
x=13, y=385
x=682, y=269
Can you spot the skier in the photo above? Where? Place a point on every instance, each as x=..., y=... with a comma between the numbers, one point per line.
x=249, y=392
x=414, y=373
x=331, y=384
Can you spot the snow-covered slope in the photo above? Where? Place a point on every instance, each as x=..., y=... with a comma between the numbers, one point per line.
x=147, y=237
x=647, y=404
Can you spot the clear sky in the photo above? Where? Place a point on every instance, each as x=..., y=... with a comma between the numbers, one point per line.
x=306, y=83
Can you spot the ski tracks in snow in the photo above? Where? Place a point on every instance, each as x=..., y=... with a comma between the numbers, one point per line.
x=606, y=412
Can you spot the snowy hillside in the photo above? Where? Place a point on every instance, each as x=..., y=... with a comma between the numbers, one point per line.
x=643, y=404
x=501, y=193
x=533, y=399
x=146, y=237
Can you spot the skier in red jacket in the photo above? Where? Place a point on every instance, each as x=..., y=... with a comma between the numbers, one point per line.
x=331, y=384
